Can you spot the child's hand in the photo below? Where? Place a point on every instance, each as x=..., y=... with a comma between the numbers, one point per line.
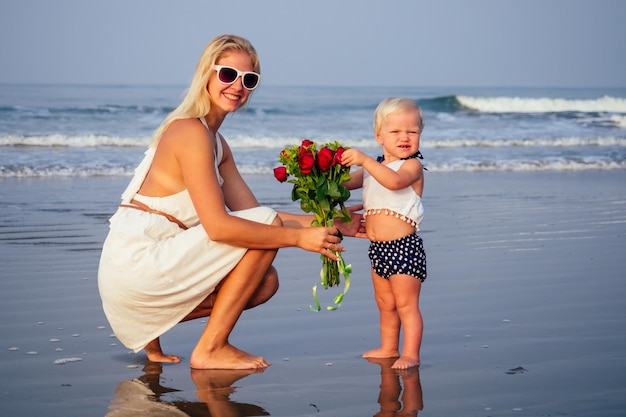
x=353, y=157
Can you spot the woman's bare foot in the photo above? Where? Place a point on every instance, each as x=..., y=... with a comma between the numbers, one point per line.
x=226, y=357
x=381, y=353
x=155, y=353
x=404, y=362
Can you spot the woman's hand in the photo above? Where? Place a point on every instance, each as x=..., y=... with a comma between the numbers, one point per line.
x=356, y=228
x=324, y=240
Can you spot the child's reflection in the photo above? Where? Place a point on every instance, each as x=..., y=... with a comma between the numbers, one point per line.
x=142, y=396
x=393, y=400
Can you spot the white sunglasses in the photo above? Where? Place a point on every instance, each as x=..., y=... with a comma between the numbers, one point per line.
x=228, y=75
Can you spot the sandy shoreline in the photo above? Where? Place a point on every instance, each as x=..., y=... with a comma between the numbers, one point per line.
x=524, y=309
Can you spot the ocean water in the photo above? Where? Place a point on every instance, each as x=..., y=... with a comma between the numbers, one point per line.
x=72, y=130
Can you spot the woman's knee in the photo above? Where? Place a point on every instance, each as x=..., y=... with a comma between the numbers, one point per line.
x=266, y=289
x=271, y=280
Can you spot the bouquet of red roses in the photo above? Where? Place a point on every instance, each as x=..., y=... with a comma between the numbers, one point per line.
x=317, y=177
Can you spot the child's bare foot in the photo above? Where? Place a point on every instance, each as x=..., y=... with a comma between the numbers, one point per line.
x=226, y=357
x=381, y=353
x=155, y=353
x=405, y=362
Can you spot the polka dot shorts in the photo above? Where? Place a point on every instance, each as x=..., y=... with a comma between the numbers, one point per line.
x=402, y=256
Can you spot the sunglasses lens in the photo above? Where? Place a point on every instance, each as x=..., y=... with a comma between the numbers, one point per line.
x=227, y=75
x=250, y=81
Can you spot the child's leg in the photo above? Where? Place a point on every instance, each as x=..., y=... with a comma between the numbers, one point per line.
x=406, y=292
x=389, y=320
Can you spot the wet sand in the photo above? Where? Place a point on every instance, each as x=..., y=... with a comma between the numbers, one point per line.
x=524, y=311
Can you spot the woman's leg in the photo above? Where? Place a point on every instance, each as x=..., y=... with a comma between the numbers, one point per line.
x=155, y=353
x=264, y=292
x=237, y=292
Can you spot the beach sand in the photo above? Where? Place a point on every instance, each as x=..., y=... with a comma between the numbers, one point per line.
x=524, y=310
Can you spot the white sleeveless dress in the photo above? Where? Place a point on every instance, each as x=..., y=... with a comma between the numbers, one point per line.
x=153, y=273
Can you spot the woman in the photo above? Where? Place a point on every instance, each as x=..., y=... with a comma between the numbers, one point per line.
x=189, y=239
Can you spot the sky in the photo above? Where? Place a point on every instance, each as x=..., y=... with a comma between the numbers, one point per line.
x=504, y=43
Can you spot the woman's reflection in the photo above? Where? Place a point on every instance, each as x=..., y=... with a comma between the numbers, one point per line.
x=393, y=400
x=142, y=396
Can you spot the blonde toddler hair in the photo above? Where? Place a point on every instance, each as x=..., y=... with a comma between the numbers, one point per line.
x=395, y=105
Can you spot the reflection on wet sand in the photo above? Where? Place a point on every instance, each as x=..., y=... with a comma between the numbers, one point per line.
x=400, y=394
x=393, y=399
x=142, y=396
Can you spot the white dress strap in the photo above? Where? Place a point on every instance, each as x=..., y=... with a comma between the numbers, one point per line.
x=219, y=151
x=140, y=175
x=144, y=166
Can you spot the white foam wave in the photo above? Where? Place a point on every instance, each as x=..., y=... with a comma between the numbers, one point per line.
x=457, y=166
x=546, y=165
x=29, y=172
x=619, y=121
x=235, y=142
x=529, y=143
x=270, y=142
x=542, y=105
x=273, y=142
x=86, y=141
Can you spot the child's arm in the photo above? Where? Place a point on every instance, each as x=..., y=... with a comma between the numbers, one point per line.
x=409, y=173
x=356, y=180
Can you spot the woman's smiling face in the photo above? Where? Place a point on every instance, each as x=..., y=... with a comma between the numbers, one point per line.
x=229, y=98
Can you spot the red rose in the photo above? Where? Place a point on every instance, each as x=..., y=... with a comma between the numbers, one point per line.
x=306, y=162
x=304, y=147
x=325, y=158
x=280, y=173
x=338, y=153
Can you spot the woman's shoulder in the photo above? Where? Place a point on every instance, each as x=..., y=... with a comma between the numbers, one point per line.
x=186, y=131
x=188, y=125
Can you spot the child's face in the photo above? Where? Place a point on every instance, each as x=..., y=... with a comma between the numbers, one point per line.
x=399, y=135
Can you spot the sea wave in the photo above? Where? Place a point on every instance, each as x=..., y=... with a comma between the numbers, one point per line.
x=61, y=171
x=528, y=143
x=271, y=142
x=619, y=120
x=83, y=141
x=235, y=141
x=89, y=110
x=604, y=104
x=251, y=169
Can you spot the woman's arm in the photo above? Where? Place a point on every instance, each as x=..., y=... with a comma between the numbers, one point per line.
x=237, y=193
x=193, y=148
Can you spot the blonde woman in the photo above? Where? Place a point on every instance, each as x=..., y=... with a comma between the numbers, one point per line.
x=190, y=239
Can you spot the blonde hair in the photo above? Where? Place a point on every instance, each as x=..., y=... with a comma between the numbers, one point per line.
x=395, y=105
x=197, y=102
